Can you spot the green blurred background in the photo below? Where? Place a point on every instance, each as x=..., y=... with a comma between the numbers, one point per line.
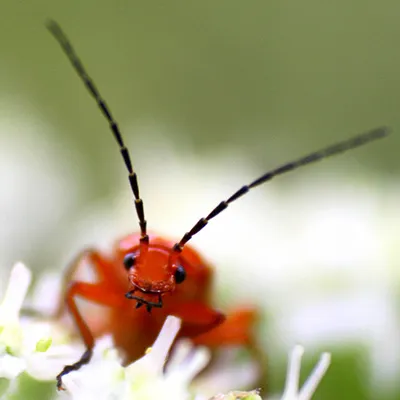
x=251, y=83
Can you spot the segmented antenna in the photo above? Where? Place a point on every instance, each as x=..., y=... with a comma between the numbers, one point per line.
x=352, y=143
x=61, y=38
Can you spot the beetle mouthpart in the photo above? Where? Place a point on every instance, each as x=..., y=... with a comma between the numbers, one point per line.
x=141, y=301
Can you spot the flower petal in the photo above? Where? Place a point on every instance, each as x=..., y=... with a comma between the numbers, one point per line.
x=18, y=284
x=11, y=366
x=293, y=373
x=314, y=379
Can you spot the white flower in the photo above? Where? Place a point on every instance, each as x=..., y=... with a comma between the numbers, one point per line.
x=105, y=378
x=24, y=342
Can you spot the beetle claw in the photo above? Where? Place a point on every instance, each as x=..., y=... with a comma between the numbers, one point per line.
x=139, y=304
x=149, y=308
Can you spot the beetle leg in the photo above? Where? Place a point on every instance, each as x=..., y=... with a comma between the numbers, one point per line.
x=99, y=263
x=99, y=293
x=86, y=356
x=237, y=330
x=197, y=317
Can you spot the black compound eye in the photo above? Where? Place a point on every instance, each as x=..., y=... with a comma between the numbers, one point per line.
x=180, y=274
x=129, y=260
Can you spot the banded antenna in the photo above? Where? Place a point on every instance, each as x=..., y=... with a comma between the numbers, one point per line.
x=360, y=140
x=65, y=44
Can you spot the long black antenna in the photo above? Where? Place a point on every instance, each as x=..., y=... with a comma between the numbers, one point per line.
x=61, y=38
x=337, y=148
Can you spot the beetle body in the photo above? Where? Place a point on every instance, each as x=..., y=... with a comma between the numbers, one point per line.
x=134, y=328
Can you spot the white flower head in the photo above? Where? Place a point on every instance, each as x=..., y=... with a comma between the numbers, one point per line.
x=105, y=378
x=26, y=345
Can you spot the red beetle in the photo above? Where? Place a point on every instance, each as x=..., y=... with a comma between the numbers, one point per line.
x=157, y=273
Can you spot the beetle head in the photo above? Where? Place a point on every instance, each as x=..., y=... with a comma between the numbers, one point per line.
x=152, y=272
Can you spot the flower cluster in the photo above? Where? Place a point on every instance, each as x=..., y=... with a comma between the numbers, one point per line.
x=105, y=378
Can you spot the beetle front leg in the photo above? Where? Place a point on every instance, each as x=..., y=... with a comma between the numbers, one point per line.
x=92, y=292
x=237, y=330
x=86, y=357
x=100, y=265
x=196, y=317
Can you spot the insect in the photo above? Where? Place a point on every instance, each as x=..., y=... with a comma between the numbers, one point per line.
x=147, y=272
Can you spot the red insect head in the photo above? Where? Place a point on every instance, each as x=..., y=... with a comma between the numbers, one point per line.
x=153, y=271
